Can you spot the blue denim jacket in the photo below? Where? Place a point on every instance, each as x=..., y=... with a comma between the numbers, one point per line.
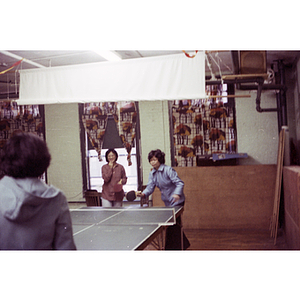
x=167, y=180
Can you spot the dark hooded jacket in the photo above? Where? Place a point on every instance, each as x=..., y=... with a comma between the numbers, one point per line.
x=33, y=216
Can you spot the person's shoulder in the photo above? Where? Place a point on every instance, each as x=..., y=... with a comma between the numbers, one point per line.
x=165, y=167
x=152, y=171
x=119, y=166
x=168, y=169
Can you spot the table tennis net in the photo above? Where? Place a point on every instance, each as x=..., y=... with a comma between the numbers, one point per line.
x=124, y=216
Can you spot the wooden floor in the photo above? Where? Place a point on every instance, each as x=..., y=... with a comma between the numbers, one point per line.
x=213, y=239
x=234, y=240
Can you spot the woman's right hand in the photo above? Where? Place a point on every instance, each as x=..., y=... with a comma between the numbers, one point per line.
x=111, y=164
x=139, y=194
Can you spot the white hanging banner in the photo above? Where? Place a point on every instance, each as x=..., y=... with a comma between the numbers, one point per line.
x=168, y=77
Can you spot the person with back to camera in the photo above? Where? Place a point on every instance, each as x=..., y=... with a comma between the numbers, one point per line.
x=171, y=187
x=33, y=215
x=114, y=177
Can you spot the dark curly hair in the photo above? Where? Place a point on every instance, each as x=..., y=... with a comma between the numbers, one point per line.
x=113, y=151
x=25, y=155
x=158, y=154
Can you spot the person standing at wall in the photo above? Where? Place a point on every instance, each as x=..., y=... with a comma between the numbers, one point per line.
x=33, y=215
x=114, y=177
x=171, y=187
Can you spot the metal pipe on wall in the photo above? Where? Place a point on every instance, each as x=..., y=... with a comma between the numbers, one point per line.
x=281, y=71
x=279, y=118
x=267, y=87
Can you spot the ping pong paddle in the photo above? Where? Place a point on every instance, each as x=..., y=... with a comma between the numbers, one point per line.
x=131, y=195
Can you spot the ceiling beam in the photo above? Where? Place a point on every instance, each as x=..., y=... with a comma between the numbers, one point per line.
x=24, y=59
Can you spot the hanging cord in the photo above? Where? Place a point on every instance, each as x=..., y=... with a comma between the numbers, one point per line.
x=16, y=79
x=213, y=77
x=218, y=65
x=7, y=86
x=220, y=60
x=119, y=104
x=73, y=197
x=16, y=85
x=14, y=65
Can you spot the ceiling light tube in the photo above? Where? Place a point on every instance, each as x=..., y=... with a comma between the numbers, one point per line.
x=109, y=55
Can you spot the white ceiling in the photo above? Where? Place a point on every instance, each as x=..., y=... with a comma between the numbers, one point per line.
x=9, y=81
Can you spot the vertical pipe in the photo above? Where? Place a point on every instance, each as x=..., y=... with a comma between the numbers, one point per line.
x=85, y=164
x=282, y=93
x=279, y=112
x=138, y=148
x=287, y=159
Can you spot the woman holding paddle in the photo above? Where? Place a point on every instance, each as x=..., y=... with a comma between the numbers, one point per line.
x=114, y=177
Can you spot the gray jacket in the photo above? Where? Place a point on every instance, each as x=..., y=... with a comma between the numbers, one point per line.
x=33, y=216
x=167, y=180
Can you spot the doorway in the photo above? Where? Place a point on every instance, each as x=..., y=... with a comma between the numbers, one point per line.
x=95, y=180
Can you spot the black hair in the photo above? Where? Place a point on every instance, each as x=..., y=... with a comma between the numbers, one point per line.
x=113, y=151
x=158, y=154
x=25, y=155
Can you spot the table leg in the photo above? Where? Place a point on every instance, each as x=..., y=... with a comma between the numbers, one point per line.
x=159, y=242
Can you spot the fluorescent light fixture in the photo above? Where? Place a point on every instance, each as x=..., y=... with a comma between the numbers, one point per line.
x=109, y=55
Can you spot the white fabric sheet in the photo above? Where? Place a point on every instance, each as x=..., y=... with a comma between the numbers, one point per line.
x=169, y=77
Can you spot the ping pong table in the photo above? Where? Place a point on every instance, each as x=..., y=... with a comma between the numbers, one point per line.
x=126, y=228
